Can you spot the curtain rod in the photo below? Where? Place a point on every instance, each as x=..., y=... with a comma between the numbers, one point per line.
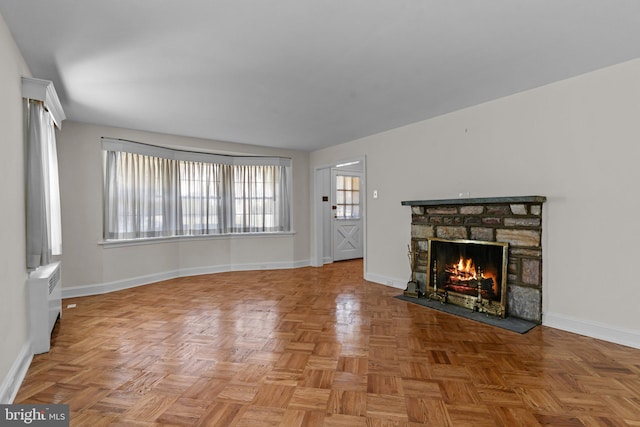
x=192, y=151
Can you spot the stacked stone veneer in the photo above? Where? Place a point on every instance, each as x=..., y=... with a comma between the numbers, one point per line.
x=515, y=220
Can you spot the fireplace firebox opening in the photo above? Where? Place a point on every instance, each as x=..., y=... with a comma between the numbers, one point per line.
x=468, y=273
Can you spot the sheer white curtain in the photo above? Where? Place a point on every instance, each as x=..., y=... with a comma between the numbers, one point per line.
x=201, y=198
x=259, y=199
x=44, y=229
x=156, y=192
x=141, y=196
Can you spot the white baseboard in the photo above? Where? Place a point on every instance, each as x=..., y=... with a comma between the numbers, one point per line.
x=118, y=285
x=12, y=382
x=384, y=280
x=103, y=288
x=628, y=337
x=285, y=265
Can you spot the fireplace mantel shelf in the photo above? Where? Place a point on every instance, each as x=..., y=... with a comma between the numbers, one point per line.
x=476, y=201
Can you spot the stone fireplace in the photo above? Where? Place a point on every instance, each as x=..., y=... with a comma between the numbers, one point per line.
x=512, y=225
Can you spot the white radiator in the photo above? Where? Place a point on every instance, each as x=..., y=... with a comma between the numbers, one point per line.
x=45, y=305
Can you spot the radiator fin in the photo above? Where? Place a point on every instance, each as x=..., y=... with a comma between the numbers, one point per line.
x=54, y=279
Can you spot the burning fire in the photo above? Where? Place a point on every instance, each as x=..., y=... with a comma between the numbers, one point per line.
x=465, y=271
x=466, y=267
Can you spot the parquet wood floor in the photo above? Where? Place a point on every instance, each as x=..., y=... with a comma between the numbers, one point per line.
x=317, y=347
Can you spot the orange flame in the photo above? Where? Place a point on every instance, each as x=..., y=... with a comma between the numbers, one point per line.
x=465, y=271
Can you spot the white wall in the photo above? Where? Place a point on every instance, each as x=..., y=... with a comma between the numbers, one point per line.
x=576, y=141
x=14, y=346
x=89, y=265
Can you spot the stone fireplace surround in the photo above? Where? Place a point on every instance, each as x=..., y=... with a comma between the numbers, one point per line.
x=515, y=220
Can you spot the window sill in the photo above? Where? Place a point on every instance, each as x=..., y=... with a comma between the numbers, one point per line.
x=171, y=239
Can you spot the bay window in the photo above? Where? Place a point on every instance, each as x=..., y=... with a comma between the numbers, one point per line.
x=159, y=192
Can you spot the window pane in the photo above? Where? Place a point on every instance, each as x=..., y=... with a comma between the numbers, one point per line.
x=347, y=197
x=347, y=182
x=356, y=183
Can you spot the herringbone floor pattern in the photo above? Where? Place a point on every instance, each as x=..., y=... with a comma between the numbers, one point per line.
x=318, y=347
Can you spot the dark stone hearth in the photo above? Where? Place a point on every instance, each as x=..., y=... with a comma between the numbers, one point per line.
x=515, y=220
x=510, y=323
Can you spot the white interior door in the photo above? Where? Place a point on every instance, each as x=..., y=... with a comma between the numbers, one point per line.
x=346, y=207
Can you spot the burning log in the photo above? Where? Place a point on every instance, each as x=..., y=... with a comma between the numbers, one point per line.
x=462, y=275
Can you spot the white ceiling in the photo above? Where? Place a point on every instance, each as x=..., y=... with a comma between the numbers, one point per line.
x=307, y=74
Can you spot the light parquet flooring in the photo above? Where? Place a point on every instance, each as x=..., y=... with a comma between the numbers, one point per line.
x=317, y=347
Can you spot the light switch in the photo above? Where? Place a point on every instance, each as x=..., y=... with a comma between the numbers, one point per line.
x=375, y=194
